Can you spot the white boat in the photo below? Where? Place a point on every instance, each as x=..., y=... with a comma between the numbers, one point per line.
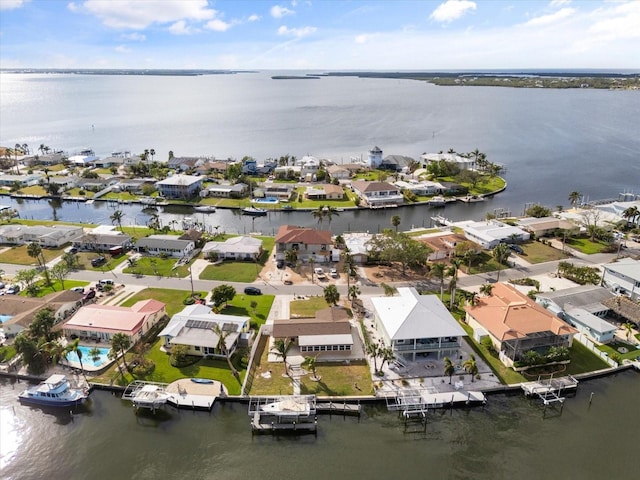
x=205, y=208
x=55, y=391
x=254, y=211
x=288, y=406
x=90, y=201
x=471, y=199
x=437, y=201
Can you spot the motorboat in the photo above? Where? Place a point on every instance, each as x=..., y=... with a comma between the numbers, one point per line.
x=55, y=391
x=472, y=199
x=437, y=201
x=205, y=208
x=287, y=406
x=254, y=211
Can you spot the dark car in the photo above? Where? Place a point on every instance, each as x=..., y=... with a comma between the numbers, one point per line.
x=516, y=248
x=96, y=262
x=280, y=264
x=252, y=291
x=89, y=295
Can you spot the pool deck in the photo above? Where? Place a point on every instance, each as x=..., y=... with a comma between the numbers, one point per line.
x=199, y=396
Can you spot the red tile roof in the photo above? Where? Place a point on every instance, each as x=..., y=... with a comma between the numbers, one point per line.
x=306, y=235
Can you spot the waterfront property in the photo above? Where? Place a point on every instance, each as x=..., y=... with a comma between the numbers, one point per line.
x=103, y=242
x=357, y=243
x=9, y=180
x=545, y=226
x=169, y=245
x=623, y=277
x=308, y=243
x=516, y=324
x=324, y=191
x=235, y=248
x=180, y=186
x=237, y=190
x=463, y=163
x=443, y=246
x=329, y=335
x=423, y=188
x=47, y=236
x=417, y=325
x=377, y=194
x=199, y=329
x=101, y=322
x=490, y=233
x=339, y=172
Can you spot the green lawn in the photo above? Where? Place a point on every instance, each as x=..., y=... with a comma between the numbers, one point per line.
x=56, y=286
x=124, y=196
x=586, y=246
x=84, y=261
x=347, y=201
x=162, y=267
x=336, y=379
x=612, y=348
x=33, y=190
x=75, y=192
x=173, y=299
x=241, y=306
x=307, y=308
x=23, y=221
x=18, y=255
x=136, y=233
x=165, y=373
x=537, y=252
x=243, y=272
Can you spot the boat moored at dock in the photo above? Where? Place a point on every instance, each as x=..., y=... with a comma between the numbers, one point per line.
x=55, y=391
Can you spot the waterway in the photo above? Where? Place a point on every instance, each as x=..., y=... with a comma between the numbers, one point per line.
x=512, y=437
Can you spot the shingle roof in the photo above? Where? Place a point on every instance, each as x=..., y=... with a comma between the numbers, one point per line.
x=365, y=186
x=306, y=235
x=328, y=321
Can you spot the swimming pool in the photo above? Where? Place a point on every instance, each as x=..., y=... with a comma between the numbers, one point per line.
x=270, y=200
x=87, y=361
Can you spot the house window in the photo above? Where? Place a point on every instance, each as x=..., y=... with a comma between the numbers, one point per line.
x=197, y=349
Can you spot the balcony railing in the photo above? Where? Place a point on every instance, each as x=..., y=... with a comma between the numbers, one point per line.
x=403, y=347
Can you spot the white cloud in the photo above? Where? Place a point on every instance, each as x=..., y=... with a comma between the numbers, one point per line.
x=136, y=14
x=254, y=18
x=122, y=49
x=12, y=4
x=620, y=22
x=181, y=28
x=217, y=25
x=296, y=32
x=134, y=37
x=559, y=3
x=278, y=11
x=542, y=20
x=451, y=10
x=363, y=38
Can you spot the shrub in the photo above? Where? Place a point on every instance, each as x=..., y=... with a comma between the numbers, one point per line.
x=143, y=367
x=189, y=300
x=179, y=357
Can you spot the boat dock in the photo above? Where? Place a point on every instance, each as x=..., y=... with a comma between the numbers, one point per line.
x=339, y=408
x=185, y=393
x=291, y=413
x=416, y=402
x=550, y=391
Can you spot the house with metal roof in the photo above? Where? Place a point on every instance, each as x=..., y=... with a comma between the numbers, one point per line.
x=623, y=277
x=195, y=327
x=47, y=236
x=329, y=334
x=180, y=186
x=169, y=245
x=586, y=297
x=417, y=325
x=102, y=242
x=101, y=322
x=235, y=248
x=490, y=233
x=308, y=243
x=516, y=324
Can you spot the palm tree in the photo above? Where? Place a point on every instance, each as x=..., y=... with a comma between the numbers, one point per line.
x=628, y=327
x=574, y=198
x=452, y=272
x=353, y=292
x=281, y=348
x=486, y=289
x=449, y=368
x=471, y=366
x=387, y=355
x=331, y=295
x=501, y=253
x=75, y=348
x=311, y=364
x=34, y=250
x=95, y=353
x=439, y=271
x=116, y=218
x=469, y=256
x=319, y=214
x=349, y=265
x=630, y=213
x=374, y=351
x=222, y=346
x=120, y=343
x=330, y=212
x=15, y=153
x=395, y=221
x=152, y=152
x=471, y=298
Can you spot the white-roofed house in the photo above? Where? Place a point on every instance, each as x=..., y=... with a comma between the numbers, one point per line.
x=235, y=248
x=47, y=236
x=623, y=277
x=490, y=233
x=169, y=245
x=414, y=324
x=194, y=328
x=180, y=186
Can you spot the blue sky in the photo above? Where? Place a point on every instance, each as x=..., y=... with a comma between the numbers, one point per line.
x=299, y=34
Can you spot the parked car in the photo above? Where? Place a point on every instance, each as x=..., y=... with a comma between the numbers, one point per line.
x=96, y=262
x=73, y=250
x=77, y=289
x=13, y=289
x=333, y=272
x=288, y=282
x=105, y=281
x=280, y=264
x=516, y=248
x=1, y=285
x=89, y=295
x=319, y=272
x=252, y=291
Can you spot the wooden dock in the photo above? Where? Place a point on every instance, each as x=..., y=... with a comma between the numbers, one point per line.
x=339, y=408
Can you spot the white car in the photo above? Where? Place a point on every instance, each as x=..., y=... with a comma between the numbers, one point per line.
x=333, y=272
x=319, y=272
